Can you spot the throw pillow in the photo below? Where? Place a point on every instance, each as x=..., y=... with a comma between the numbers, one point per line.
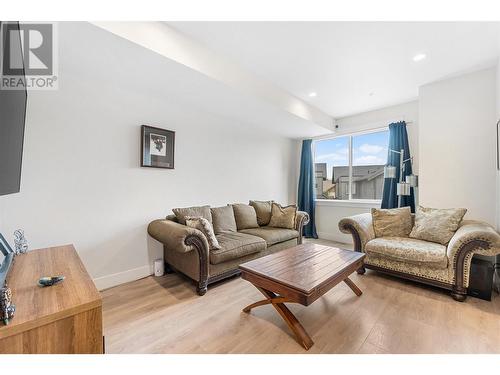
x=283, y=217
x=437, y=225
x=245, y=216
x=263, y=211
x=223, y=219
x=181, y=213
x=206, y=228
x=394, y=222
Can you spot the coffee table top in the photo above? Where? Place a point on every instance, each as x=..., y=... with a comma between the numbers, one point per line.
x=305, y=268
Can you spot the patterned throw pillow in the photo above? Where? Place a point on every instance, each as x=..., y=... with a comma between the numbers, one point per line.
x=394, y=222
x=283, y=217
x=437, y=225
x=263, y=210
x=205, y=227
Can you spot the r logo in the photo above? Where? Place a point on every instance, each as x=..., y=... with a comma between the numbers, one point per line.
x=36, y=41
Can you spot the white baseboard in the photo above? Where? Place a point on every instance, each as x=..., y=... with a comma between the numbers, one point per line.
x=337, y=237
x=115, y=279
x=109, y=281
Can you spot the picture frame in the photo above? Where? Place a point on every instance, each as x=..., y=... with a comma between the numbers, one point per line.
x=157, y=147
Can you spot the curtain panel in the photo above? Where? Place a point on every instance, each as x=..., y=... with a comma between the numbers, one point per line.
x=306, y=187
x=398, y=140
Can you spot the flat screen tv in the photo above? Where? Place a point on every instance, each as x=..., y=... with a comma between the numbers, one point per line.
x=12, y=119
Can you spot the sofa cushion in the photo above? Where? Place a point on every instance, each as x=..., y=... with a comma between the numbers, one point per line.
x=223, y=219
x=236, y=245
x=201, y=211
x=263, y=211
x=437, y=225
x=245, y=216
x=409, y=250
x=283, y=217
x=272, y=235
x=394, y=222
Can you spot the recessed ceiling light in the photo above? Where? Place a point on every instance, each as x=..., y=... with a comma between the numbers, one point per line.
x=419, y=57
x=313, y=94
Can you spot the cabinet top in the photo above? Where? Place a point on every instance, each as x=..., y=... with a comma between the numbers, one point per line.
x=37, y=305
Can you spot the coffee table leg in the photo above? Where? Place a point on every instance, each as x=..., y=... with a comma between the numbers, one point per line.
x=300, y=333
x=266, y=301
x=353, y=286
x=257, y=304
x=272, y=298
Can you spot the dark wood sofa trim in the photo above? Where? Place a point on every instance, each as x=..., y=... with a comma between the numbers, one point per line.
x=201, y=286
x=459, y=292
x=199, y=246
x=407, y=276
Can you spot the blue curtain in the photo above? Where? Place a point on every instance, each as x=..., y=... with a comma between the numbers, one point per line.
x=306, y=187
x=398, y=140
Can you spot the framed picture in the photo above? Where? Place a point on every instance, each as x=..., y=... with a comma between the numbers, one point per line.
x=158, y=147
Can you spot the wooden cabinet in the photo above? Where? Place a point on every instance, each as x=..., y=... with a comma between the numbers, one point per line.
x=63, y=318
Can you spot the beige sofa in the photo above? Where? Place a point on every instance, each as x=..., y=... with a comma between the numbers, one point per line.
x=427, y=262
x=186, y=249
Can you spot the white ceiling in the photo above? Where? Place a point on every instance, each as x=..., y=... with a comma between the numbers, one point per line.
x=353, y=66
x=184, y=73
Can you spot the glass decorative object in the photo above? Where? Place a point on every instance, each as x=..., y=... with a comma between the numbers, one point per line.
x=412, y=180
x=389, y=171
x=403, y=188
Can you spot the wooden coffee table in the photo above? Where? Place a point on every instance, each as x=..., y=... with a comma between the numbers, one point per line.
x=300, y=274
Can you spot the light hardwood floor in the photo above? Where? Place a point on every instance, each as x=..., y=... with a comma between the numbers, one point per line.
x=165, y=315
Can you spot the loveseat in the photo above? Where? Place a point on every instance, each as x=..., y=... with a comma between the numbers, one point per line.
x=444, y=266
x=187, y=250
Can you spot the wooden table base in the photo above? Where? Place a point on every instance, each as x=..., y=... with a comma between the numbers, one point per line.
x=300, y=274
x=353, y=286
x=278, y=303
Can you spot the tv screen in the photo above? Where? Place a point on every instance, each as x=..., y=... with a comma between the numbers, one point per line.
x=12, y=117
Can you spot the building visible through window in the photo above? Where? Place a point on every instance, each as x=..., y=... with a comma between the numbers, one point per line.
x=351, y=167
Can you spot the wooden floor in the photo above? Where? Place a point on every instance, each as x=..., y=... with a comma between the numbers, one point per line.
x=165, y=315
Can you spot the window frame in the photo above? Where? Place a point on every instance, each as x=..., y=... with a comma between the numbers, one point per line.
x=362, y=203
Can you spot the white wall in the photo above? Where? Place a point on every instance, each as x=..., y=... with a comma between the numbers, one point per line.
x=496, y=279
x=81, y=180
x=328, y=214
x=457, y=144
x=328, y=217
x=498, y=119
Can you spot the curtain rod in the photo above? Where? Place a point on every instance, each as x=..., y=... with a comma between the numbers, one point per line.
x=374, y=127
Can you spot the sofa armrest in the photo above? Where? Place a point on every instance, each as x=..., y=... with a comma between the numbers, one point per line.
x=482, y=236
x=178, y=237
x=361, y=229
x=301, y=219
x=471, y=237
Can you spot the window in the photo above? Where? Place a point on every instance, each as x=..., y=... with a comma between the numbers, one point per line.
x=351, y=167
